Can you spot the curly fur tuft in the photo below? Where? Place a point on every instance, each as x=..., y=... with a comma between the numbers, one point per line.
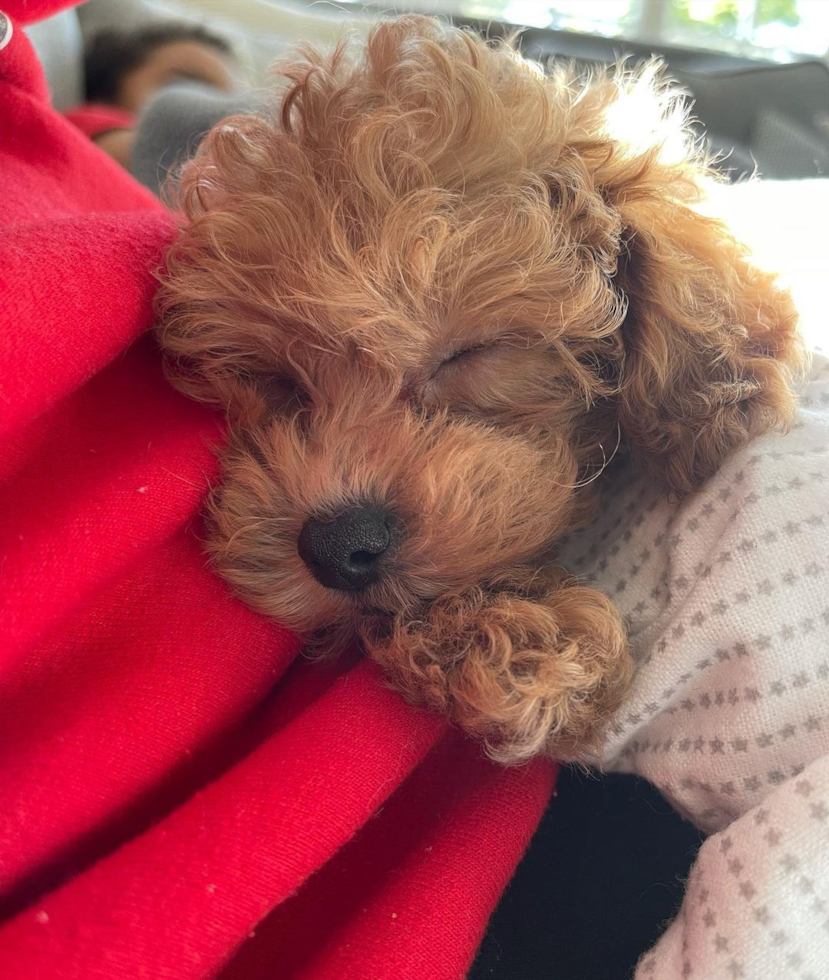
x=528, y=672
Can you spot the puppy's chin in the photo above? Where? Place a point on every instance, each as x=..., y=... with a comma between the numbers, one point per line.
x=276, y=583
x=330, y=622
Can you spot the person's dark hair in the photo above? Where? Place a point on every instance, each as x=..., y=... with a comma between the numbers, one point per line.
x=112, y=54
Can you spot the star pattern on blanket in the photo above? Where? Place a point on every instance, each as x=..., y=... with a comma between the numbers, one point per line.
x=725, y=597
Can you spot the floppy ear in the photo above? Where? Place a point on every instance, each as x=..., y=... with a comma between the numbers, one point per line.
x=709, y=343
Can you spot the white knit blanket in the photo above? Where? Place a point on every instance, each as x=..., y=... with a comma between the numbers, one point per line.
x=727, y=600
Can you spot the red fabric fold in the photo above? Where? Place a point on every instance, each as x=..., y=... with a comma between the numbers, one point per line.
x=393, y=902
x=180, y=797
x=243, y=845
x=94, y=120
x=54, y=266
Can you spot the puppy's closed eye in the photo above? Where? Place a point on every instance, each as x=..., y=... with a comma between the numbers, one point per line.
x=464, y=354
x=500, y=380
x=284, y=395
x=465, y=368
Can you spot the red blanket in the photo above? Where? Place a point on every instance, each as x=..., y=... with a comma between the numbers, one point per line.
x=178, y=798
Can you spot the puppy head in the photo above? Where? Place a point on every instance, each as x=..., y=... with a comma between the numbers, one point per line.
x=432, y=293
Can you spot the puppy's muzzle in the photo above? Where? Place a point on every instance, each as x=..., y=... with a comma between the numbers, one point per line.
x=344, y=552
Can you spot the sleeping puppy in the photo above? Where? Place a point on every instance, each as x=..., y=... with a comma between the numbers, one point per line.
x=435, y=291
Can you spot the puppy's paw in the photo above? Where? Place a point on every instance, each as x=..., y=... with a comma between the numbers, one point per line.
x=530, y=671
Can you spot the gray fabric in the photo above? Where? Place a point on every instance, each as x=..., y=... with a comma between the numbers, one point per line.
x=737, y=161
x=767, y=114
x=59, y=46
x=172, y=126
x=118, y=15
x=785, y=149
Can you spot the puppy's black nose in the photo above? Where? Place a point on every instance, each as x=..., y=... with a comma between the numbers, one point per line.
x=343, y=552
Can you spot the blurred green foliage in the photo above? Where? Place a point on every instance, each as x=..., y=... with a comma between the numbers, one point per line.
x=726, y=14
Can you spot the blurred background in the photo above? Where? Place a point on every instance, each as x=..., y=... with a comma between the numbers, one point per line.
x=758, y=69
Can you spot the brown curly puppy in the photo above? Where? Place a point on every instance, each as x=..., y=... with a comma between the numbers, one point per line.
x=432, y=294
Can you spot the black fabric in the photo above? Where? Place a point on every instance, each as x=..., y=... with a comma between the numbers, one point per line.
x=602, y=878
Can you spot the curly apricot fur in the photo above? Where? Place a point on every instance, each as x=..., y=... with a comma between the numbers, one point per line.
x=426, y=195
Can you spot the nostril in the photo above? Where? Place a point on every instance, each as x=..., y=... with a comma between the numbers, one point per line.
x=364, y=557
